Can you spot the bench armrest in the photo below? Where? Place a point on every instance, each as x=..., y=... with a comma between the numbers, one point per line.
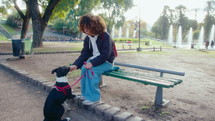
x=151, y=69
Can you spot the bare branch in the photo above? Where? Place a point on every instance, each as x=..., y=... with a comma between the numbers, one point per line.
x=49, y=9
x=18, y=9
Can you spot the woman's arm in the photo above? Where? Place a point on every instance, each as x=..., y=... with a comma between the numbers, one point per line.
x=85, y=54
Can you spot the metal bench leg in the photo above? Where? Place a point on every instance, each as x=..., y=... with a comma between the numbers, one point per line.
x=159, y=101
x=101, y=84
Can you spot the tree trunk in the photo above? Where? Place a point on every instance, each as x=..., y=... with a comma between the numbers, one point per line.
x=24, y=30
x=36, y=24
x=39, y=23
x=25, y=18
x=38, y=31
x=26, y=21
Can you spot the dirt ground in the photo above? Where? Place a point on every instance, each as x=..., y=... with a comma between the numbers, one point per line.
x=192, y=100
x=21, y=101
x=14, y=100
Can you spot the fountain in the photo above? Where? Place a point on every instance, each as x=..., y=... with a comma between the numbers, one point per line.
x=134, y=34
x=201, y=38
x=113, y=31
x=179, y=37
x=120, y=32
x=170, y=35
x=190, y=38
x=127, y=33
x=211, y=36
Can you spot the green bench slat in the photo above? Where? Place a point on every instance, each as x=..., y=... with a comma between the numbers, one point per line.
x=140, y=80
x=144, y=78
x=148, y=75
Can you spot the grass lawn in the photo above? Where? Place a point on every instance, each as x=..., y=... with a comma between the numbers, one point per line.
x=3, y=38
x=9, y=29
x=77, y=46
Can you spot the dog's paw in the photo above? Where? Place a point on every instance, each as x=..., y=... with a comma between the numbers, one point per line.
x=66, y=106
x=73, y=96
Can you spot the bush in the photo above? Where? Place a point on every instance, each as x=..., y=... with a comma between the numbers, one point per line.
x=59, y=24
x=13, y=20
x=125, y=40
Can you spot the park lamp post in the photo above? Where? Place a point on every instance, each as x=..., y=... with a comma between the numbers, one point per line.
x=64, y=29
x=139, y=49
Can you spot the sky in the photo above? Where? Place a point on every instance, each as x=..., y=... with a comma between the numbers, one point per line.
x=150, y=10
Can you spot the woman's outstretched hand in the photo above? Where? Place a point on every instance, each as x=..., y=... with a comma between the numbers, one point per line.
x=73, y=67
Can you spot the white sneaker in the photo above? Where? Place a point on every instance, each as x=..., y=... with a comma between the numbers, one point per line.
x=68, y=118
x=87, y=102
x=80, y=97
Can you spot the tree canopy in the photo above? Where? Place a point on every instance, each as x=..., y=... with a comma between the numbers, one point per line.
x=41, y=11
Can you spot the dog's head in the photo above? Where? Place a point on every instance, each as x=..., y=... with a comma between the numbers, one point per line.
x=61, y=71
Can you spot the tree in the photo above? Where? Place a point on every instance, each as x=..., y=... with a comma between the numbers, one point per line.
x=182, y=20
x=113, y=10
x=93, y=6
x=209, y=18
x=81, y=9
x=24, y=16
x=60, y=8
x=161, y=26
x=3, y=10
x=40, y=18
x=40, y=21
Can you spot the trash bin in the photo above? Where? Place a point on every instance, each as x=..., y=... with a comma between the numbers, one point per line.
x=17, y=46
x=28, y=46
x=147, y=43
x=193, y=46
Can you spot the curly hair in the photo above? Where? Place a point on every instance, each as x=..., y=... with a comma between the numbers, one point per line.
x=95, y=24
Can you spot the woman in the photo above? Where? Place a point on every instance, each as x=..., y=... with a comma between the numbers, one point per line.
x=98, y=53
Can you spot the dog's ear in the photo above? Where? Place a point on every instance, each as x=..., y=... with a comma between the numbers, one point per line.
x=61, y=71
x=54, y=70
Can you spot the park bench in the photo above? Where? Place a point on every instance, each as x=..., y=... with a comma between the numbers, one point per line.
x=128, y=43
x=157, y=48
x=147, y=78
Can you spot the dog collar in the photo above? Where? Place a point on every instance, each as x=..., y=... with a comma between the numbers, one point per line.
x=62, y=79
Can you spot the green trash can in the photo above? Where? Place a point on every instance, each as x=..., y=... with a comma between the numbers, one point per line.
x=16, y=46
x=28, y=46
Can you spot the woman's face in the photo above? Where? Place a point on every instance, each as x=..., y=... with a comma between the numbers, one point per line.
x=88, y=32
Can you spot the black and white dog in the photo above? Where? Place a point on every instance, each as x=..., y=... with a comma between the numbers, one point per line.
x=53, y=109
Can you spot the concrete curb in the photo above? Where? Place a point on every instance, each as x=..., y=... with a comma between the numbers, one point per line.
x=102, y=110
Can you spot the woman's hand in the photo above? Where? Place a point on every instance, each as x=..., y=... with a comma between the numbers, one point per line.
x=73, y=67
x=88, y=65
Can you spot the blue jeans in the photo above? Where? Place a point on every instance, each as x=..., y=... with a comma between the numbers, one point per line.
x=90, y=84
